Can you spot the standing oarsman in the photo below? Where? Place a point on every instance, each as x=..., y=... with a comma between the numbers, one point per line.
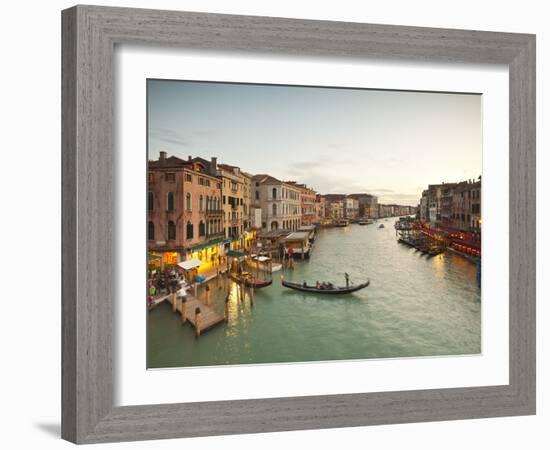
x=347, y=279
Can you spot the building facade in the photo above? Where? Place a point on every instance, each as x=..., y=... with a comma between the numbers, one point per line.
x=233, y=183
x=351, y=210
x=368, y=205
x=183, y=211
x=279, y=202
x=335, y=205
x=307, y=202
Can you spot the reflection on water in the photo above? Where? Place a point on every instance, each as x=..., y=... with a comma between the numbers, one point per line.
x=414, y=306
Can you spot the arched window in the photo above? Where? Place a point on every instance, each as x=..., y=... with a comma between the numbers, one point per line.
x=202, y=229
x=188, y=201
x=151, y=231
x=274, y=193
x=150, y=201
x=171, y=231
x=170, y=201
x=201, y=200
x=189, y=230
x=274, y=208
x=208, y=203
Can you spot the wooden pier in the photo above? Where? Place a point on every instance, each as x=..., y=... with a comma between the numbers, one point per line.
x=203, y=317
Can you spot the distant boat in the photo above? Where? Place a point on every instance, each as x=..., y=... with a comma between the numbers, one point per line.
x=363, y=222
x=381, y=225
x=342, y=223
x=327, y=290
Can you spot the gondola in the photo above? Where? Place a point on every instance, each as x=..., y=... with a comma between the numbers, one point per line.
x=333, y=290
x=250, y=282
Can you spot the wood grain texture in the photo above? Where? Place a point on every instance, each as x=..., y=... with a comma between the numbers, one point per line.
x=89, y=36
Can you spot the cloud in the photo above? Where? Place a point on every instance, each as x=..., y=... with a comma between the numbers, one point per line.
x=169, y=136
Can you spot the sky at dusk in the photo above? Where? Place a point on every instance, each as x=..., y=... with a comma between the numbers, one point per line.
x=388, y=143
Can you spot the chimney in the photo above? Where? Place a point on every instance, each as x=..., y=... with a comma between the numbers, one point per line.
x=162, y=156
x=213, y=164
x=189, y=158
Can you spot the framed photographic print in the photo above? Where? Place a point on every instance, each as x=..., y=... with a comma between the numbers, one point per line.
x=278, y=224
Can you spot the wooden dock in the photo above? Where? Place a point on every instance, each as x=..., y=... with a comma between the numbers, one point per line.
x=208, y=316
x=206, y=319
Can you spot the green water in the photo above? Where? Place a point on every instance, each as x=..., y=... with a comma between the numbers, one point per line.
x=414, y=306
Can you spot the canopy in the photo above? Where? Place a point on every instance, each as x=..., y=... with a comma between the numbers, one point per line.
x=235, y=254
x=189, y=264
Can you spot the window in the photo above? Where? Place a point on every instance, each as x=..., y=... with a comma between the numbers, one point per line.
x=274, y=209
x=207, y=183
x=151, y=177
x=202, y=229
x=170, y=201
x=151, y=231
x=200, y=203
x=274, y=193
x=189, y=230
x=188, y=201
x=224, y=199
x=150, y=201
x=188, y=178
x=257, y=195
x=171, y=231
x=170, y=177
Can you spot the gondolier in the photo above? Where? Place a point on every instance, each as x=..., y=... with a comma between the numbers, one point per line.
x=347, y=279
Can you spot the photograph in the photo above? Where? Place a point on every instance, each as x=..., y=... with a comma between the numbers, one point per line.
x=300, y=224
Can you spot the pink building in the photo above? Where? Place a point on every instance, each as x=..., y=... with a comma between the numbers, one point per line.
x=183, y=210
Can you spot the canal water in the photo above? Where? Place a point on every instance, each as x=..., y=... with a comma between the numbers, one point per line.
x=414, y=306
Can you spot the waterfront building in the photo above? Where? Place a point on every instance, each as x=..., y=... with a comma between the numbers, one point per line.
x=453, y=205
x=434, y=204
x=307, y=202
x=475, y=196
x=279, y=202
x=423, y=206
x=233, y=183
x=351, y=210
x=320, y=209
x=247, y=189
x=335, y=205
x=368, y=205
x=181, y=197
x=384, y=210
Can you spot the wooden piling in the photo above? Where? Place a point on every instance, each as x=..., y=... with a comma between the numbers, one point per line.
x=183, y=308
x=207, y=295
x=173, y=299
x=226, y=315
x=197, y=322
x=251, y=295
x=195, y=287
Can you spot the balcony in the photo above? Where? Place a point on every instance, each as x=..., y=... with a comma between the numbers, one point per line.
x=214, y=235
x=214, y=212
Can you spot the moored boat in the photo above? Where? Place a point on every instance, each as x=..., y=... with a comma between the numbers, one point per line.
x=249, y=281
x=327, y=289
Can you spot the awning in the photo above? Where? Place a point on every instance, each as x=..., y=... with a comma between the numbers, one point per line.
x=189, y=264
x=235, y=254
x=208, y=244
x=154, y=257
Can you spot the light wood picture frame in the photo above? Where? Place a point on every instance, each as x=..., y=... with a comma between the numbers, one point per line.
x=90, y=34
